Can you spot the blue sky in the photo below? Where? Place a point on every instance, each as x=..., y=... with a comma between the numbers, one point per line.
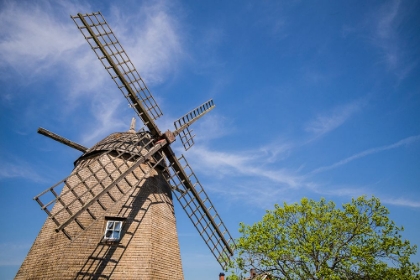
x=313, y=99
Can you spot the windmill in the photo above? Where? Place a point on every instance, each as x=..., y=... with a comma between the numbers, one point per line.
x=113, y=216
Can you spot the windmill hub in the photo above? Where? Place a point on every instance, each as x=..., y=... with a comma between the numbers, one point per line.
x=169, y=136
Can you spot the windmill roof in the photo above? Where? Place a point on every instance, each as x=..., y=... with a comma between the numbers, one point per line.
x=127, y=142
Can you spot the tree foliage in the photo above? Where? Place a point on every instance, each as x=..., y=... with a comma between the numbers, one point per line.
x=316, y=240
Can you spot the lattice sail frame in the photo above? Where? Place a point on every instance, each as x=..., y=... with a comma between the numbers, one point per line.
x=115, y=60
x=182, y=124
x=211, y=227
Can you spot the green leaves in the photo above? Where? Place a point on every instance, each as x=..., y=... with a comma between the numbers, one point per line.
x=316, y=240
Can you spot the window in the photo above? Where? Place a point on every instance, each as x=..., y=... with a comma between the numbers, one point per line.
x=113, y=230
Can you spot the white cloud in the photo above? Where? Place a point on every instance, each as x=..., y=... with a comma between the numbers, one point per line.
x=41, y=41
x=398, y=144
x=252, y=174
x=152, y=38
x=386, y=34
x=16, y=168
x=341, y=190
x=277, y=150
x=105, y=110
x=40, y=35
x=219, y=160
x=325, y=123
x=211, y=126
x=34, y=37
x=387, y=21
x=259, y=193
x=249, y=163
x=401, y=202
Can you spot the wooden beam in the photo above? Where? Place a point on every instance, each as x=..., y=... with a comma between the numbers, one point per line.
x=62, y=140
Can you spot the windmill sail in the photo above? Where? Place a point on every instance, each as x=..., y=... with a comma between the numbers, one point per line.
x=200, y=210
x=115, y=60
x=182, y=124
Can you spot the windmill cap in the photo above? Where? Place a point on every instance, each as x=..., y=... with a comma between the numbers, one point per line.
x=129, y=143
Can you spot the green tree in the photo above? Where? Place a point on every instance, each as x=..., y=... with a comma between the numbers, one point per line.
x=316, y=240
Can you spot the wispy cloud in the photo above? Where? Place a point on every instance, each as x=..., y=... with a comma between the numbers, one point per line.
x=386, y=34
x=252, y=174
x=107, y=120
x=401, y=202
x=153, y=38
x=387, y=20
x=245, y=164
x=327, y=122
x=277, y=150
x=33, y=37
x=17, y=168
x=258, y=192
x=259, y=172
x=40, y=41
x=398, y=144
x=39, y=35
x=341, y=190
x=211, y=127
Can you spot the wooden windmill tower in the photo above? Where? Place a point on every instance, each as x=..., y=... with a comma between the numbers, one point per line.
x=113, y=217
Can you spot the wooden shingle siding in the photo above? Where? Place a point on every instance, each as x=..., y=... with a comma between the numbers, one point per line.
x=148, y=248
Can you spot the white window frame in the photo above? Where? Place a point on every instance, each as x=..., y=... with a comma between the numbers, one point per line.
x=113, y=230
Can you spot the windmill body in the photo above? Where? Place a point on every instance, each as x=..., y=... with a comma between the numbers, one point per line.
x=113, y=216
x=147, y=247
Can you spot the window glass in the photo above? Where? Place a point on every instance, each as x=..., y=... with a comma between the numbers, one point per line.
x=113, y=230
